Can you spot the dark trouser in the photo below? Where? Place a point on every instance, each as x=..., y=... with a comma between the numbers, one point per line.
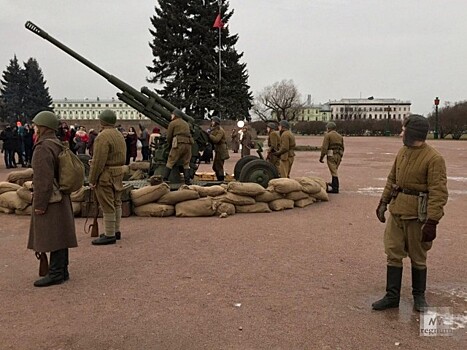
x=9, y=157
x=145, y=152
x=218, y=167
x=28, y=154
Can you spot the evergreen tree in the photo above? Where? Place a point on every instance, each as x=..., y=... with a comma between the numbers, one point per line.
x=185, y=49
x=12, y=91
x=36, y=94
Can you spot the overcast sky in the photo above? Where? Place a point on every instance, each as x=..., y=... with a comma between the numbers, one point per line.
x=405, y=49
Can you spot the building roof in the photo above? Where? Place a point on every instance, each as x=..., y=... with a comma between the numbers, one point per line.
x=370, y=101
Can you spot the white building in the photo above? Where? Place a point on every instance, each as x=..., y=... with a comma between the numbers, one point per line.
x=369, y=108
x=89, y=109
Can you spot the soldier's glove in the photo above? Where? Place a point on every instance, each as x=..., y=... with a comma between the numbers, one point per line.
x=321, y=160
x=429, y=230
x=382, y=207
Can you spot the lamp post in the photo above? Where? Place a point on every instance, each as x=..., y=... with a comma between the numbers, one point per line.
x=388, y=109
x=436, y=118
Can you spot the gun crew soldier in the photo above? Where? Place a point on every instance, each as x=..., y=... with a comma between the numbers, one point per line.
x=286, y=152
x=180, y=141
x=416, y=193
x=274, y=141
x=106, y=176
x=45, y=235
x=333, y=149
x=217, y=137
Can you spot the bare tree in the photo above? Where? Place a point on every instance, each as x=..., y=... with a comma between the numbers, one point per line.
x=278, y=101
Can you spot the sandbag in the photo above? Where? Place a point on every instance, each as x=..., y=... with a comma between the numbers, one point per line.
x=24, y=194
x=235, y=199
x=4, y=210
x=320, y=181
x=155, y=210
x=285, y=185
x=268, y=196
x=195, y=208
x=302, y=203
x=137, y=175
x=208, y=191
x=26, y=211
x=76, y=208
x=296, y=195
x=321, y=195
x=149, y=194
x=309, y=185
x=28, y=185
x=20, y=176
x=281, y=204
x=250, y=189
x=175, y=197
x=78, y=196
x=224, y=208
x=140, y=165
x=8, y=187
x=125, y=169
x=12, y=201
x=259, y=207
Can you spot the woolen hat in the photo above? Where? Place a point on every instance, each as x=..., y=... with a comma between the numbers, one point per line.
x=108, y=117
x=416, y=128
x=47, y=119
x=285, y=124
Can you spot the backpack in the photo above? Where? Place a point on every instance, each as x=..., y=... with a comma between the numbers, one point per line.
x=70, y=170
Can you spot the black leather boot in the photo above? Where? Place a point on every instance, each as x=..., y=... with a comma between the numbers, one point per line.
x=166, y=174
x=56, y=270
x=334, y=185
x=104, y=240
x=418, y=289
x=393, y=290
x=187, y=176
x=66, y=275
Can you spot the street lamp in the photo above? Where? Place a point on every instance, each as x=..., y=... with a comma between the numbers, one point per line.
x=388, y=109
x=436, y=118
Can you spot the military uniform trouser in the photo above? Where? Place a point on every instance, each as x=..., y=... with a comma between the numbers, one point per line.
x=218, y=165
x=285, y=166
x=333, y=164
x=182, y=152
x=402, y=238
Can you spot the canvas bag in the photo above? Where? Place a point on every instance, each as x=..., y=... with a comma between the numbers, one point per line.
x=70, y=170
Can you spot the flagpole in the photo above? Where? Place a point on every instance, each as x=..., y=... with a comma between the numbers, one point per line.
x=220, y=57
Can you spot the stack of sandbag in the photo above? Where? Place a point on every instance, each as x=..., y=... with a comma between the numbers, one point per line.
x=11, y=202
x=144, y=201
x=19, y=177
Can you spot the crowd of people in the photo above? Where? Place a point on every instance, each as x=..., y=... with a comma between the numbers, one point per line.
x=18, y=142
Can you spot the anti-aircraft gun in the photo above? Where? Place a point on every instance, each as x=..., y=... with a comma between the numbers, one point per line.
x=159, y=110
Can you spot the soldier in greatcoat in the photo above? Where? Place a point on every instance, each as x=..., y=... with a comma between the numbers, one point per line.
x=245, y=142
x=274, y=141
x=106, y=176
x=333, y=149
x=286, y=152
x=52, y=227
x=180, y=142
x=221, y=152
x=416, y=193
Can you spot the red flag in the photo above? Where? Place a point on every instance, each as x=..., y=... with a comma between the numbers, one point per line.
x=218, y=22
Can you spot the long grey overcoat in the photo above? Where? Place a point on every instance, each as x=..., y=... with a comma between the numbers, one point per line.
x=55, y=229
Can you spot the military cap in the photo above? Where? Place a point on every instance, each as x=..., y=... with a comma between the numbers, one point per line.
x=47, y=119
x=416, y=127
x=108, y=117
x=216, y=120
x=285, y=124
x=331, y=126
x=272, y=126
x=178, y=113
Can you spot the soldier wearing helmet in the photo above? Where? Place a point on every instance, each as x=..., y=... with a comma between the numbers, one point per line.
x=106, y=175
x=274, y=141
x=333, y=149
x=286, y=152
x=217, y=137
x=180, y=142
x=416, y=192
x=45, y=235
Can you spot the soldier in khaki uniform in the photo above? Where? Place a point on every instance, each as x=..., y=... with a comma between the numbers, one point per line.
x=217, y=137
x=180, y=141
x=106, y=176
x=286, y=151
x=416, y=192
x=274, y=141
x=333, y=148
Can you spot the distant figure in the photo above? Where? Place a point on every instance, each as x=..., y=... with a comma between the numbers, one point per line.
x=286, y=151
x=274, y=141
x=144, y=138
x=154, y=138
x=8, y=147
x=130, y=140
x=245, y=141
x=217, y=137
x=333, y=149
x=92, y=136
x=235, y=137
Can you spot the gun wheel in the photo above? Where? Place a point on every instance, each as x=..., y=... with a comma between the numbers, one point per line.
x=241, y=163
x=258, y=171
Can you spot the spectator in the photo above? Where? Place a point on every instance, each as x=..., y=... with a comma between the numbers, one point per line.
x=130, y=140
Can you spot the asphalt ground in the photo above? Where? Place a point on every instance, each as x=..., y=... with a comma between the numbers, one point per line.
x=299, y=279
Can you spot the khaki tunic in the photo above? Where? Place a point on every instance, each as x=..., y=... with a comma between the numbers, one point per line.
x=180, y=141
x=55, y=229
x=420, y=169
x=333, y=148
x=286, y=153
x=107, y=168
x=274, y=142
x=221, y=152
x=246, y=143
